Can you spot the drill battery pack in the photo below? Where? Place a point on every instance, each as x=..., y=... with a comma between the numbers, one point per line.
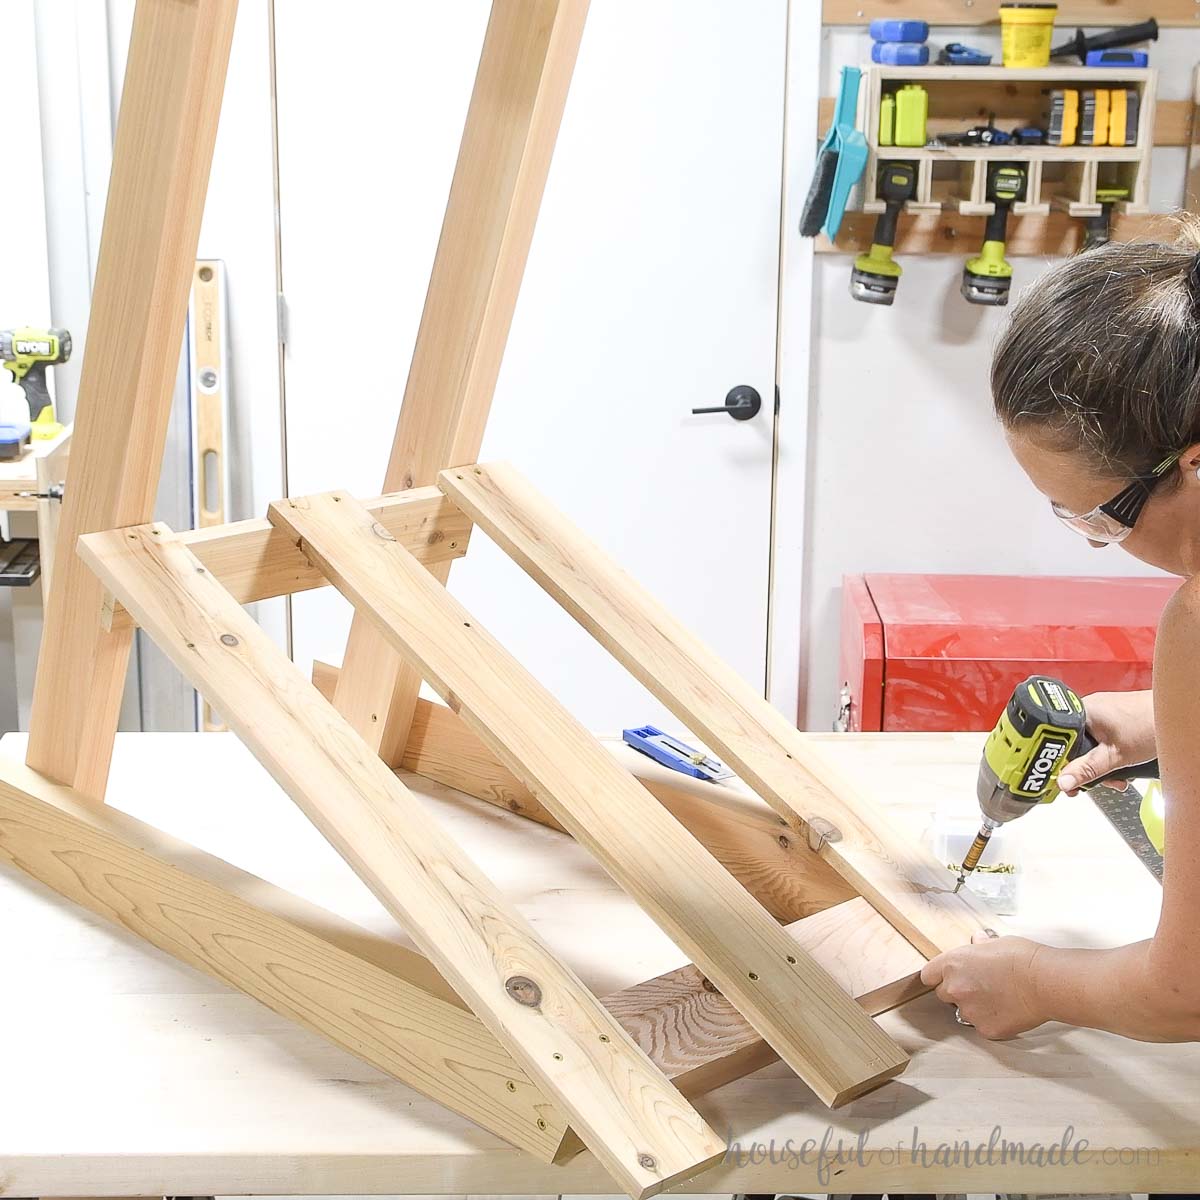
x=1062, y=120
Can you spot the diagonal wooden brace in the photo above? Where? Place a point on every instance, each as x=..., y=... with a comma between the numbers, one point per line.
x=383, y=1003
x=898, y=877
x=380, y=1001
x=520, y=92
x=638, y=1126
x=178, y=53
x=795, y=1005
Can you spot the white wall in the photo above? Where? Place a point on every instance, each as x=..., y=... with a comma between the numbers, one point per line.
x=24, y=291
x=908, y=470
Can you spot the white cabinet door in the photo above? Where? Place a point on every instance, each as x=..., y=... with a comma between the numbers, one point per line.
x=651, y=289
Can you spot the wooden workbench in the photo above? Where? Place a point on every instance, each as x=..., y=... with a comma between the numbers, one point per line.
x=125, y=1073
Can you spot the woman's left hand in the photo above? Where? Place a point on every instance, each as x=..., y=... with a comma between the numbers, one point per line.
x=990, y=983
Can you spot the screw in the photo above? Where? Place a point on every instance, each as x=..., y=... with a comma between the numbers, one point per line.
x=753, y=975
x=512, y=1087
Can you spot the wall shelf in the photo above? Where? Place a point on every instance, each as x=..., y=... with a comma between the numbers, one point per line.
x=954, y=178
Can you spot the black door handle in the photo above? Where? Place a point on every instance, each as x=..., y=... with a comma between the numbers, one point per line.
x=741, y=403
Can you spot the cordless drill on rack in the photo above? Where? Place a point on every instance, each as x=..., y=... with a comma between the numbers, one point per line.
x=987, y=278
x=876, y=274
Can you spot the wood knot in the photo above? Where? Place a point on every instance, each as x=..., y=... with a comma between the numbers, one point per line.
x=523, y=990
x=648, y=1161
x=227, y=639
x=709, y=986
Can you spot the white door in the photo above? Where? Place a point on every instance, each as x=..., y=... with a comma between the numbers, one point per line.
x=651, y=289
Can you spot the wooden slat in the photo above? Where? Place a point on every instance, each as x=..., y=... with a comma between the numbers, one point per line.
x=254, y=561
x=170, y=103
x=702, y=1042
x=901, y=880
x=631, y=1118
x=794, y=1004
x=1172, y=118
x=947, y=232
x=301, y=962
x=520, y=90
x=1179, y=13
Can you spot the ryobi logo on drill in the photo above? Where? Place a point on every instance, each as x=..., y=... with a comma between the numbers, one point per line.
x=26, y=347
x=1051, y=748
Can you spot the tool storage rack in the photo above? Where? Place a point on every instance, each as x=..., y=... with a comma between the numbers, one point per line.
x=487, y=1019
x=955, y=177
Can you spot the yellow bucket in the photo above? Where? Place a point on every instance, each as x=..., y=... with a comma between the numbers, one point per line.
x=1025, y=31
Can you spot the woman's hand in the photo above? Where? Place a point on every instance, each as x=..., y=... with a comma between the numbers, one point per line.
x=990, y=983
x=1122, y=724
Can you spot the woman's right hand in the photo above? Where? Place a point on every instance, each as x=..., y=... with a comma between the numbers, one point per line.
x=1122, y=726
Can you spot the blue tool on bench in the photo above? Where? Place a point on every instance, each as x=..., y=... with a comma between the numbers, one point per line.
x=673, y=753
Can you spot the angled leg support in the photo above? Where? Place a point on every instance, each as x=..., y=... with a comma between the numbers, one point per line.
x=638, y=1126
x=377, y=1000
x=168, y=124
x=794, y=1004
x=759, y=743
x=520, y=91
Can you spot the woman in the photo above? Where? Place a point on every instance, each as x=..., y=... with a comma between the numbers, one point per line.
x=1096, y=381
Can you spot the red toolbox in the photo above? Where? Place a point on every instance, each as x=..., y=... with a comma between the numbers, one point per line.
x=944, y=652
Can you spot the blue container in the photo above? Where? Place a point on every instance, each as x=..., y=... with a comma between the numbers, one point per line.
x=884, y=29
x=900, y=54
x=1118, y=58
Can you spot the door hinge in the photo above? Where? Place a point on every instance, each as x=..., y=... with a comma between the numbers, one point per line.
x=281, y=317
x=777, y=399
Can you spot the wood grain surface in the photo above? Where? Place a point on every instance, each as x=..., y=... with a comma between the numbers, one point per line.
x=170, y=104
x=625, y=1111
x=297, y=960
x=898, y=877
x=793, y=1003
x=520, y=92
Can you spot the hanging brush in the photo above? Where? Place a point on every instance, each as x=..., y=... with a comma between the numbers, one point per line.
x=841, y=160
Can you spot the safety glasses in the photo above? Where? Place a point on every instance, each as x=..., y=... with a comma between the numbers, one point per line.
x=1112, y=520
